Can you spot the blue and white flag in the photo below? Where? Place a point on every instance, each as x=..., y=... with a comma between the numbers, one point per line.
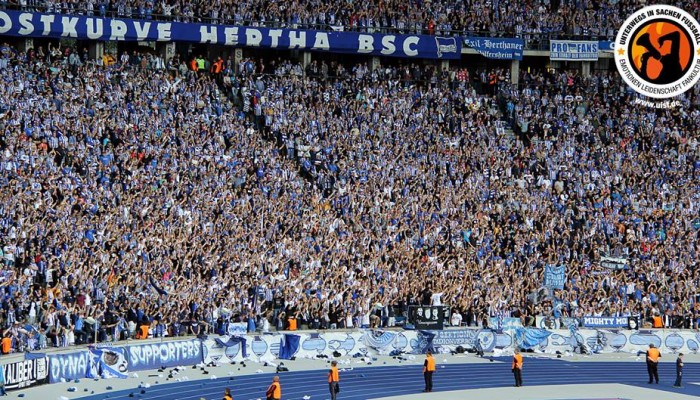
x=554, y=276
x=528, y=338
x=108, y=362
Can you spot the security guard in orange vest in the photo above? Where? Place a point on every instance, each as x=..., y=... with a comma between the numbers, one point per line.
x=6, y=344
x=227, y=394
x=428, y=371
x=653, y=355
x=333, y=379
x=274, y=391
x=217, y=66
x=517, y=368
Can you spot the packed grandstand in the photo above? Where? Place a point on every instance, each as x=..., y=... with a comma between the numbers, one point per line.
x=182, y=194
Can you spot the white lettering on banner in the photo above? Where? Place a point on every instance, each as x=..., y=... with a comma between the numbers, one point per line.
x=231, y=36
x=460, y=337
x=47, y=20
x=407, y=49
x=109, y=29
x=164, y=31
x=95, y=28
x=118, y=30
x=69, y=27
x=163, y=353
x=25, y=20
x=388, y=44
x=253, y=37
x=6, y=22
x=275, y=35
x=605, y=321
x=208, y=34
x=365, y=44
x=142, y=30
x=24, y=373
x=297, y=41
x=322, y=41
x=70, y=365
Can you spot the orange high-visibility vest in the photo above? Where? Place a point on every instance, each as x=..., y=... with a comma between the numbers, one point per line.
x=6, y=345
x=142, y=332
x=276, y=390
x=518, y=361
x=653, y=355
x=429, y=364
x=333, y=375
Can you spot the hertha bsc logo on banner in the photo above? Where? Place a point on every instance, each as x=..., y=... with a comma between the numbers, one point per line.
x=657, y=51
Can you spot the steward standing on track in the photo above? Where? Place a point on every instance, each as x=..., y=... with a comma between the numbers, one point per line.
x=333, y=379
x=653, y=355
x=517, y=368
x=227, y=394
x=428, y=371
x=274, y=391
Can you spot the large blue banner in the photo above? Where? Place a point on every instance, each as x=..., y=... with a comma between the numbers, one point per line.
x=67, y=367
x=16, y=23
x=167, y=354
x=606, y=45
x=605, y=322
x=571, y=50
x=497, y=48
x=554, y=276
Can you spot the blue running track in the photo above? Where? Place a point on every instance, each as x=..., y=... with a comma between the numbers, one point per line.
x=375, y=382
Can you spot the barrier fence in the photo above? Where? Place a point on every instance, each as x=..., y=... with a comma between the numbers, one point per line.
x=113, y=361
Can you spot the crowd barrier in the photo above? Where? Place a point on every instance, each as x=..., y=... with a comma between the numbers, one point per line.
x=116, y=361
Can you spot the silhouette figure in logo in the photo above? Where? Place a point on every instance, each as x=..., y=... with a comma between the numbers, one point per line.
x=671, y=69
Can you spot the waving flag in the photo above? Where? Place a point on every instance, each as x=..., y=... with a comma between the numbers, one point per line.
x=156, y=287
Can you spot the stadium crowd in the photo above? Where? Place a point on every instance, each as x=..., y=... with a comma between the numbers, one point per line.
x=147, y=199
x=528, y=19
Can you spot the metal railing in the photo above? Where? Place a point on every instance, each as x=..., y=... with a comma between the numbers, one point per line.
x=533, y=41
